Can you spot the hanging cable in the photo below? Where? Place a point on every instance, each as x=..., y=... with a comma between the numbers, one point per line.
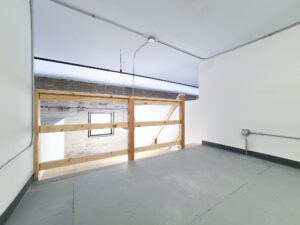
x=123, y=88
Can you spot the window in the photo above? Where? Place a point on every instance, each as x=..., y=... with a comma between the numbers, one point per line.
x=101, y=118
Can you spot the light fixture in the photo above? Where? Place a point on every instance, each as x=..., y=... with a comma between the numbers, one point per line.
x=151, y=39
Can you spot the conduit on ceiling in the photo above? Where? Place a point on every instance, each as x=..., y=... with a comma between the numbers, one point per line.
x=147, y=36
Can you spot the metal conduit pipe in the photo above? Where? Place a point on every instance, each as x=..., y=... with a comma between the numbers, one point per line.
x=247, y=132
x=133, y=64
x=93, y=15
x=4, y=165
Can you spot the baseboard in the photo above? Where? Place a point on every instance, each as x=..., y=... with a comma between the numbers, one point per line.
x=6, y=214
x=271, y=158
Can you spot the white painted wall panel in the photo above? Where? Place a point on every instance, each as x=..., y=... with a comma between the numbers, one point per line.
x=15, y=92
x=255, y=87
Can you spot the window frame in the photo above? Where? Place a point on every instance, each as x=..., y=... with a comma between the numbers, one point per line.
x=111, y=121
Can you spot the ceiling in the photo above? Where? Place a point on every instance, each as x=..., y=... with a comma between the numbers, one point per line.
x=202, y=27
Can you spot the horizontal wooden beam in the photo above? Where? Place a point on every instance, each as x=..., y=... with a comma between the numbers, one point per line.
x=83, y=94
x=156, y=102
x=82, y=159
x=157, y=99
x=156, y=123
x=157, y=146
x=104, y=96
x=78, y=127
x=71, y=98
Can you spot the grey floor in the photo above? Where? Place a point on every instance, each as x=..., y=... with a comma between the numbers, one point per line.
x=201, y=185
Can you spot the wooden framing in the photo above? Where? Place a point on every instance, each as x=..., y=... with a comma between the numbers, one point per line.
x=78, y=127
x=49, y=95
x=156, y=123
x=167, y=117
x=157, y=146
x=36, y=134
x=182, y=120
x=131, y=129
x=82, y=159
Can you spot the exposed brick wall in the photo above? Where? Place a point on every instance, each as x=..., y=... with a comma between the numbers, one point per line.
x=69, y=85
x=78, y=143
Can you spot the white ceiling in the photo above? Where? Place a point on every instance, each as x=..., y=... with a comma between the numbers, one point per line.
x=202, y=27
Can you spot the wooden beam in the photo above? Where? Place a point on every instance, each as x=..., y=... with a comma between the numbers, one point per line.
x=167, y=117
x=182, y=119
x=131, y=129
x=174, y=139
x=78, y=127
x=87, y=94
x=152, y=147
x=158, y=99
x=71, y=98
x=82, y=159
x=156, y=123
x=156, y=102
x=84, y=94
x=36, y=135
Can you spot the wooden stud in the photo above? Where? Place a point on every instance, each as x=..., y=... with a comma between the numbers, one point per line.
x=131, y=129
x=156, y=123
x=71, y=98
x=155, y=102
x=152, y=147
x=182, y=120
x=78, y=127
x=36, y=135
x=85, y=94
x=157, y=99
x=82, y=159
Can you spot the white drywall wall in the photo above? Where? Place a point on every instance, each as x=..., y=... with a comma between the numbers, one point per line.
x=144, y=135
x=52, y=145
x=192, y=121
x=255, y=87
x=15, y=92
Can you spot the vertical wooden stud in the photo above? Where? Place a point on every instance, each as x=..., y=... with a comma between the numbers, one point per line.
x=131, y=129
x=182, y=122
x=36, y=134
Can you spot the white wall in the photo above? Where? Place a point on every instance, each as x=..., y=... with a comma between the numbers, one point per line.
x=15, y=92
x=52, y=145
x=255, y=87
x=144, y=135
x=192, y=121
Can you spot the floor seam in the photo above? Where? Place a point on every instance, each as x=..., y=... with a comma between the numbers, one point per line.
x=73, y=205
x=199, y=217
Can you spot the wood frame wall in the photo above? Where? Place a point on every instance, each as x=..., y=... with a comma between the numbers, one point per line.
x=50, y=95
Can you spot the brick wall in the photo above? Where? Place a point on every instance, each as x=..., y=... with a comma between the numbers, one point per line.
x=69, y=85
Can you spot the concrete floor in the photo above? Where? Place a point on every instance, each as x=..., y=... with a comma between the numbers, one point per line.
x=201, y=185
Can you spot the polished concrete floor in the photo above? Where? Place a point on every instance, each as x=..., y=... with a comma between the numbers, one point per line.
x=201, y=185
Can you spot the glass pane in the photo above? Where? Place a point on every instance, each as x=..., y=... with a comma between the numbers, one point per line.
x=101, y=118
